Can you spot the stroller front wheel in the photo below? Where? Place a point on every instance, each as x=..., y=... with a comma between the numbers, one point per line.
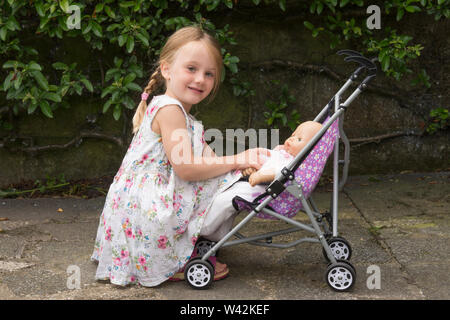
x=340, y=276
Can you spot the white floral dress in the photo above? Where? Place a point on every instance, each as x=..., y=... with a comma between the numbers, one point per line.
x=151, y=218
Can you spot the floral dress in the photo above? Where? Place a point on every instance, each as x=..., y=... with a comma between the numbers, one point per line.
x=151, y=218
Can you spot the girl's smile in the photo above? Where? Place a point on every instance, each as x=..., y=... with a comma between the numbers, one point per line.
x=199, y=91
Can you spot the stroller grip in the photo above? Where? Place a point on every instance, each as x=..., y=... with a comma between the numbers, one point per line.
x=364, y=62
x=349, y=52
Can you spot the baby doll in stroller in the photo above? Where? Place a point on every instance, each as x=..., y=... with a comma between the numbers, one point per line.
x=282, y=154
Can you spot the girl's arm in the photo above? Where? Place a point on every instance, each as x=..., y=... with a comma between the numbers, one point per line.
x=171, y=123
x=208, y=152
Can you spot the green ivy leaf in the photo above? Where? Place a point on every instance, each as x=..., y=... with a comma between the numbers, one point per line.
x=133, y=86
x=3, y=33
x=7, y=82
x=34, y=66
x=107, y=105
x=109, y=12
x=52, y=96
x=308, y=25
x=128, y=103
x=60, y=66
x=87, y=84
x=400, y=13
x=39, y=9
x=122, y=39
x=117, y=112
x=40, y=79
x=130, y=44
x=143, y=38
x=45, y=108
x=10, y=64
x=129, y=78
x=64, y=4
x=97, y=29
x=31, y=107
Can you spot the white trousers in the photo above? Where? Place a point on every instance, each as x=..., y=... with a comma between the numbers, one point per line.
x=220, y=216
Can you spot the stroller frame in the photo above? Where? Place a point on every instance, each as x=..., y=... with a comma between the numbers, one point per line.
x=340, y=274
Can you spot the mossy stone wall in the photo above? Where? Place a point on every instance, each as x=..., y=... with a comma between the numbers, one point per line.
x=262, y=38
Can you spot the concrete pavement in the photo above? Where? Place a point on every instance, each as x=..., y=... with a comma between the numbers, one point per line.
x=398, y=225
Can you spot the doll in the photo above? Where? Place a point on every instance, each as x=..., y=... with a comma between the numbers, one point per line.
x=281, y=155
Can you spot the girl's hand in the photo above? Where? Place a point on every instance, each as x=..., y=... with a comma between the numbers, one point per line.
x=254, y=158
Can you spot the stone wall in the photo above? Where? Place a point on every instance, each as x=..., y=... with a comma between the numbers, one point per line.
x=270, y=48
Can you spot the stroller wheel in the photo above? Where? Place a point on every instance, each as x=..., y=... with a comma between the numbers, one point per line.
x=199, y=274
x=340, y=248
x=340, y=276
x=203, y=246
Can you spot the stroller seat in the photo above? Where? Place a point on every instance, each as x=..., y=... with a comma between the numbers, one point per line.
x=307, y=175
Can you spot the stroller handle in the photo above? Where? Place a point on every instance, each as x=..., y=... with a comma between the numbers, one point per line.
x=349, y=53
x=364, y=62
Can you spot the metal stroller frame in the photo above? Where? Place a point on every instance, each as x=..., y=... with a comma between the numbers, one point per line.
x=340, y=274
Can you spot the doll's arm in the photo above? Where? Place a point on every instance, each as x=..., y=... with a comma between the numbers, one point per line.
x=261, y=176
x=279, y=147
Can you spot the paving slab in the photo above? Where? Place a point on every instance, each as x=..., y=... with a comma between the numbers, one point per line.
x=398, y=224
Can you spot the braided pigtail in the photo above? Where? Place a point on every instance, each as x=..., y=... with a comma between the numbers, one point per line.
x=156, y=80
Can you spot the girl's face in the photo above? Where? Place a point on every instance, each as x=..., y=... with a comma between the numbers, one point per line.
x=190, y=77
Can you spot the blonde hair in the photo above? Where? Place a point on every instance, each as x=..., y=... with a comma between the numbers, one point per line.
x=168, y=52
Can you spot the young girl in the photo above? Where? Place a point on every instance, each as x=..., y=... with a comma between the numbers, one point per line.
x=155, y=207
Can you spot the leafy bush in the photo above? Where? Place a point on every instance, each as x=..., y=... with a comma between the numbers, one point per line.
x=134, y=31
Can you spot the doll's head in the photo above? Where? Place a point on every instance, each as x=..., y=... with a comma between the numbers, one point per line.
x=189, y=67
x=301, y=136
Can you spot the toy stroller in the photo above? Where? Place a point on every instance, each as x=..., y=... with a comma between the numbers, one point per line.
x=290, y=192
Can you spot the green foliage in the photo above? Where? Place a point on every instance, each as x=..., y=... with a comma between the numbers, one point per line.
x=392, y=49
x=278, y=110
x=128, y=35
x=134, y=31
x=439, y=120
x=394, y=53
x=122, y=75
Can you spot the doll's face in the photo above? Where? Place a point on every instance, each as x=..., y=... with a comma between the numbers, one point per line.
x=301, y=136
x=293, y=145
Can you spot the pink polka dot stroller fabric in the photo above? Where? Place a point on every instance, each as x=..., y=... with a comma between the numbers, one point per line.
x=307, y=175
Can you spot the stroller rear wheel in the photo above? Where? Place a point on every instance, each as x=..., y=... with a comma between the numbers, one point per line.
x=203, y=246
x=340, y=276
x=340, y=248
